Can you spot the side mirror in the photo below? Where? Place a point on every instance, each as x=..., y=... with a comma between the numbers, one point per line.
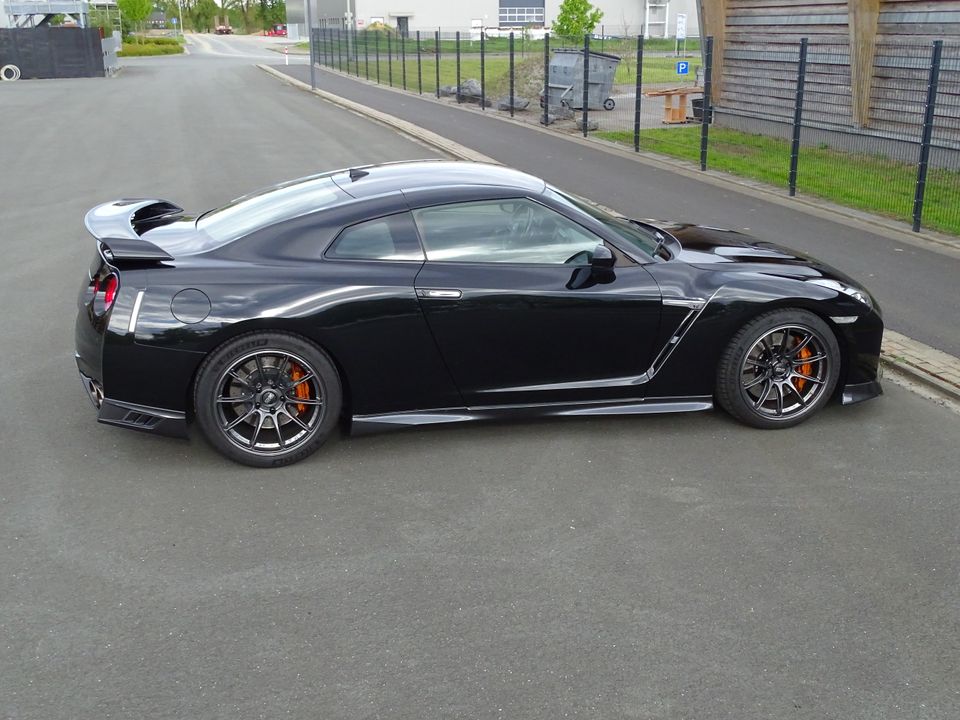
x=603, y=258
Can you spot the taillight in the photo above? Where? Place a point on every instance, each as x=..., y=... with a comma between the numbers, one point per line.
x=104, y=292
x=110, y=287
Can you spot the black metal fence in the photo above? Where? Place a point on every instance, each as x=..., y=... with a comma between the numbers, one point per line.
x=783, y=116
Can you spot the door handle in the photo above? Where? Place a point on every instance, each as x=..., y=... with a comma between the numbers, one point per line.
x=439, y=293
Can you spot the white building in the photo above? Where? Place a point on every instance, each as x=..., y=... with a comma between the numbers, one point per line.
x=657, y=18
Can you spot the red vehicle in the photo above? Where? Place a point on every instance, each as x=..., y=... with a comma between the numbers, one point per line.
x=278, y=30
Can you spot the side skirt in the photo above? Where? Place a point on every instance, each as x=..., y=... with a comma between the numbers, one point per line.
x=363, y=424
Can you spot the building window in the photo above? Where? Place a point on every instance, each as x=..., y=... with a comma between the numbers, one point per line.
x=521, y=15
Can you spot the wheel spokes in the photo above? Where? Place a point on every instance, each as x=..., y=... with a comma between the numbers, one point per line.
x=239, y=419
x=785, y=371
x=254, y=398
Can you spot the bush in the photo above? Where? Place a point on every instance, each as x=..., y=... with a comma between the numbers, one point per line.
x=151, y=40
x=140, y=49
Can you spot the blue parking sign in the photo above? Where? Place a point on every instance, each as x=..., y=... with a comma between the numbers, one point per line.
x=683, y=67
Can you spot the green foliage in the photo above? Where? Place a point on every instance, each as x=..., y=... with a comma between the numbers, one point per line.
x=105, y=20
x=244, y=10
x=149, y=48
x=161, y=40
x=576, y=19
x=136, y=10
x=379, y=28
x=271, y=12
x=869, y=182
x=202, y=14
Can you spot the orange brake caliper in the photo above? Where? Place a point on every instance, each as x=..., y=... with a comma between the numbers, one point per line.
x=806, y=368
x=303, y=389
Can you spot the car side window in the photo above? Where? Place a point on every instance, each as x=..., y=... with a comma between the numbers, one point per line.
x=386, y=238
x=503, y=231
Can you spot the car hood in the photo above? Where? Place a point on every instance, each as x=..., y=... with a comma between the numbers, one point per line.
x=703, y=246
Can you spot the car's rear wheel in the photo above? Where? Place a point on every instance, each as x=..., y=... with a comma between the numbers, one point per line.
x=267, y=398
x=779, y=369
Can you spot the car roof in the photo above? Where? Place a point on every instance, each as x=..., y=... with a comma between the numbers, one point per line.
x=372, y=180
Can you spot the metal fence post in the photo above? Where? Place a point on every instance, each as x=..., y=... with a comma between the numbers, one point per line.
x=586, y=84
x=546, y=79
x=376, y=53
x=511, y=75
x=707, y=107
x=798, y=117
x=389, y=60
x=403, y=60
x=366, y=54
x=419, y=67
x=459, y=100
x=639, y=94
x=437, y=73
x=928, y=117
x=339, y=50
x=483, y=71
x=313, y=59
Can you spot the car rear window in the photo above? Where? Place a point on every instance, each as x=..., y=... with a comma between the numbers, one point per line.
x=258, y=210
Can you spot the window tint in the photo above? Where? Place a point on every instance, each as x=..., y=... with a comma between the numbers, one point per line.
x=389, y=238
x=503, y=231
x=634, y=234
x=253, y=212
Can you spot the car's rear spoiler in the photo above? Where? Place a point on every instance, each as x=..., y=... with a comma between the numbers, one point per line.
x=118, y=225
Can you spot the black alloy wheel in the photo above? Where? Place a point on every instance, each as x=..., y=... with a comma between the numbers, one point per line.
x=267, y=399
x=779, y=369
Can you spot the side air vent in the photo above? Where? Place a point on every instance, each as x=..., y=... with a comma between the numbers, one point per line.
x=141, y=420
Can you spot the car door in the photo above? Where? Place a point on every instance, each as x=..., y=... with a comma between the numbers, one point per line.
x=518, y=313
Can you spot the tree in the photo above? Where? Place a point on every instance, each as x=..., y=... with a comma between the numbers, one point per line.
x=576, y=19
x=272, y=12
x=136, y=11
x=202, y=14
x=245, y=8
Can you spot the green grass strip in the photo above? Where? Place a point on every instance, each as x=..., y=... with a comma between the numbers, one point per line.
x=873, y=183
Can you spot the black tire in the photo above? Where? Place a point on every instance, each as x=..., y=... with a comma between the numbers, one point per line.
x=267, y=399
x=778, y=369
x=609, y=104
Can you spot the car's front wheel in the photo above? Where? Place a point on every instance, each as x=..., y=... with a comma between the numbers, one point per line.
x=779, y=369
x=267, y=398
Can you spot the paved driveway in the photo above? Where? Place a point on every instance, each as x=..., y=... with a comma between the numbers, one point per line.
x=657, y=567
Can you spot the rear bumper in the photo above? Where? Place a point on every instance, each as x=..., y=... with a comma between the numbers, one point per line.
x=160, y=421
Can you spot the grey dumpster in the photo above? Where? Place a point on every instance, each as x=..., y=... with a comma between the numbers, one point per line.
x=566, y=80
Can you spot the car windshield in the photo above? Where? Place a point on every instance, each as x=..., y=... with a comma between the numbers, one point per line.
x=258, y=210
x=634, y=234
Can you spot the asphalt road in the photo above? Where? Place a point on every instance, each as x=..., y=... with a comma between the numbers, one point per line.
x=914, y=286
x=661, y=567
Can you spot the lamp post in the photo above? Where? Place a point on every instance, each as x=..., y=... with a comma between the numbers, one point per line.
x=180, y=10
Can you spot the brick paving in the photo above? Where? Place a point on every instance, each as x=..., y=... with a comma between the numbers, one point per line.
x=922, y=362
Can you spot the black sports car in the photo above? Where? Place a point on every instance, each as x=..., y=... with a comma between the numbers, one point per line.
x=431, y=292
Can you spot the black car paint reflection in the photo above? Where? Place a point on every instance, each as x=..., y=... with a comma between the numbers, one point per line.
x=427, y=341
